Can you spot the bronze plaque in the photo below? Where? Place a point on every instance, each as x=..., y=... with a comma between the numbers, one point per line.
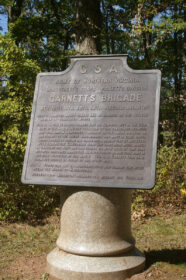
x=94, y=124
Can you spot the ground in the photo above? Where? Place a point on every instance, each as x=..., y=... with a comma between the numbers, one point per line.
x=160, y=235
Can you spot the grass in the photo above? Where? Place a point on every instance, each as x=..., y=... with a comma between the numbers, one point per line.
x=161, y=233
x=22, y=239
x=161, y=239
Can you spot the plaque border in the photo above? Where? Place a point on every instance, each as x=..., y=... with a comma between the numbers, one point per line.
x=74, y=59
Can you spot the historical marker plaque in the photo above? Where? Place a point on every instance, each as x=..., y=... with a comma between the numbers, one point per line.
x=94, y=124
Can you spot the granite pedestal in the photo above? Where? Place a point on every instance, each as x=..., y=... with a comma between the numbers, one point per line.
x=95, y=241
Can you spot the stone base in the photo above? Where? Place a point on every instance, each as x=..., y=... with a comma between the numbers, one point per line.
x=67, y=266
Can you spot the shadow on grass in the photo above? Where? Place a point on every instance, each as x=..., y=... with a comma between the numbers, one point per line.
x=174, y=256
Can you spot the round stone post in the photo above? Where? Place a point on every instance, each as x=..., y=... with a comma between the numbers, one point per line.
x=95, y=241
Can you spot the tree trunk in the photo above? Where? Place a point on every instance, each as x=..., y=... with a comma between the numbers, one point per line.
x=88, y=26
x=106, y=26
x=15, y=11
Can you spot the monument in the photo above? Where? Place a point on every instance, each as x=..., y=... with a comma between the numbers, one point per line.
x=94, y=130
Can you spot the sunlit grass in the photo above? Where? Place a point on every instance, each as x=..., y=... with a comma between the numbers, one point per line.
x=159, y=238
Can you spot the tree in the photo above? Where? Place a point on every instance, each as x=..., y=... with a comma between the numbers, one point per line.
x=42, y=36
x=159, y=28
x=88, y=26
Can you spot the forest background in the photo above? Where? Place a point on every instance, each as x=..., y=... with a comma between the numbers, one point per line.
x=41, y=37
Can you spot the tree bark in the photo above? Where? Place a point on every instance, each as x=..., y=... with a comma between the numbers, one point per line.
x=14, y=12
x=88, y=26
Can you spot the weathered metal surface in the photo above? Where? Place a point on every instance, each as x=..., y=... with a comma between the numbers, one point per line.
x=94, y=124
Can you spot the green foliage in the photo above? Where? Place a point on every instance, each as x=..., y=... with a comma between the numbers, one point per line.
x=170, y=168
x=169, y=187
x=41, y=38
x=45, y=30
x=45, y=276
x=17, y=201
x=158, y=29
x=15, y=105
